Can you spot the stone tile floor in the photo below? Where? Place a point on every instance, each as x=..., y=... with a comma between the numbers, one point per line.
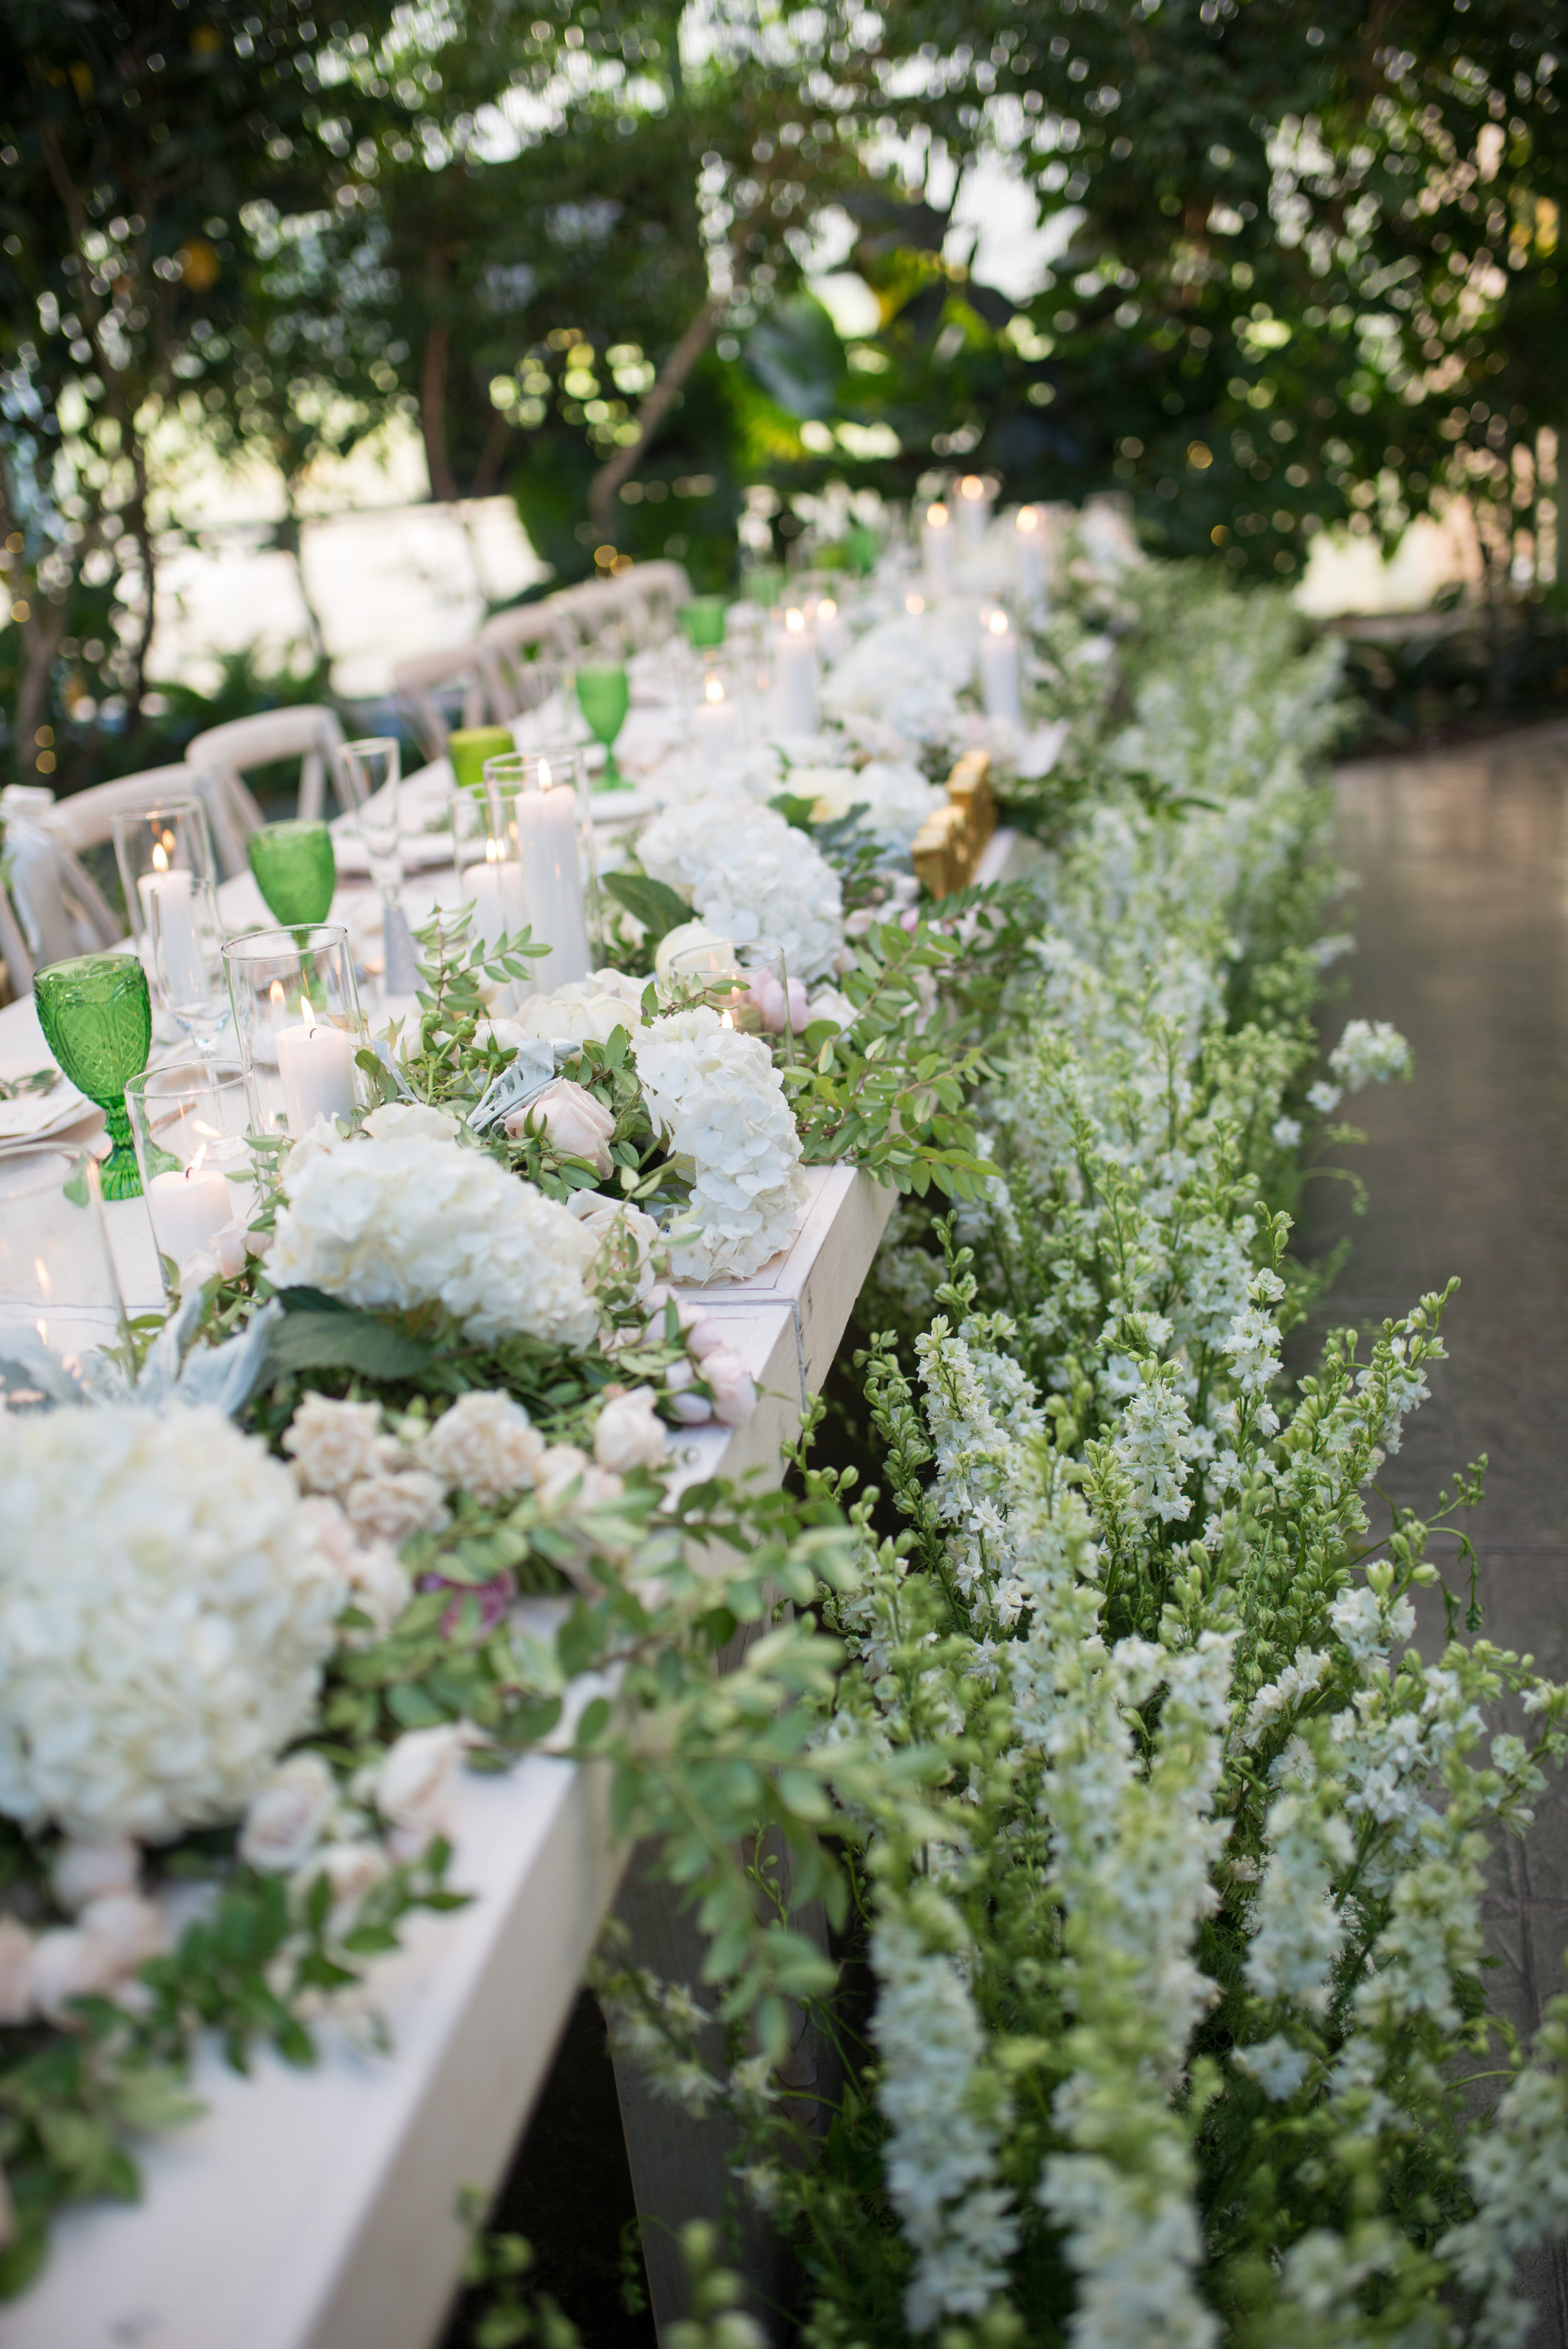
x=1461, y=922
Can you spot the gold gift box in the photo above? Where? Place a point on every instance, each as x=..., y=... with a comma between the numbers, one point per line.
x=949, y=844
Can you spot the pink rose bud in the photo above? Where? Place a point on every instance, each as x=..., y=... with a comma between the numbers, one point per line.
x=578, y=1124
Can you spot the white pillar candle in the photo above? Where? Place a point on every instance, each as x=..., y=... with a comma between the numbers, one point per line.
x=936, y=550
x=553, y=884
x=718, y=729
x=496, y=889
x=974, y=510
x=795, y=672
x=830, y=630
x=317, y=1066
x=168, y=910
x=188, y=1208
x=1000, y=683
x=1029, y=544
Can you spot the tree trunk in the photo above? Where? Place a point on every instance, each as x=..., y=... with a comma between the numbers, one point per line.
x=652, y=413
x=433, y=411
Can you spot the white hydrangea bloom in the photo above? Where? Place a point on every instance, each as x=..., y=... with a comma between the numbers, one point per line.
x=1369, y=1052
x=715, y=1098
x=896, y=798
x=404, y=1224
x=166, y=1607
x=751, y=875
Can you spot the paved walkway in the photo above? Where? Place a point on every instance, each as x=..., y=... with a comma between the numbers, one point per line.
x=1461, y=920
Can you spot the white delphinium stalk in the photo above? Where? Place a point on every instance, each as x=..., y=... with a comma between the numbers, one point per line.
x=1370, y=1052
x=1135, y=1853
x=946, y=2121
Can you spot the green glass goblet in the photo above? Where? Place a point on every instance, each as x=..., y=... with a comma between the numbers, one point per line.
x=703, y=620
x=605, y=696
x=97, y=1017
x=296, y=871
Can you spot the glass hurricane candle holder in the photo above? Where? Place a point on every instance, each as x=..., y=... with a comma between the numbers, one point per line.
x=470, y=746
x=296, y=871
x=299, y=1024
x=190, y=1120
x=167, y=869
x=96, y=1013
x=534, y=809
x=487, y=868
x=59, y=1294
x=605, y=696
x=722, y=713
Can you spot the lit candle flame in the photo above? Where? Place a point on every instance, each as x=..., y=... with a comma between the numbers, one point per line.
x=826, y=609
x=725, y=1021
x=915, y=603
x=492, y=852
x=997, y=624
x=1028, y=519
x=545, y=777
x=971, y=486
x=795, y=622
x=275, y=994
x=713, y=688
x=306, y=1013
x=936, y=517
x=195, y=1166
x=42, y=1270
x=159, y=857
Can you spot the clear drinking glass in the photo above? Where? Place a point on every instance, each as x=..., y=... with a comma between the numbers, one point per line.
x=297, y=1017
x=59, y=1294
x=368, y=773
x=780, y=1009
x=190, y=1120
x=152, y=844
x=97, y=1017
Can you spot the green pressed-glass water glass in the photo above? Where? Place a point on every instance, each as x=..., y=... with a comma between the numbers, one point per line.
x=605, y=696
x=296, y=871
x=468, y=747
x=703, y=620
x=97, y=1017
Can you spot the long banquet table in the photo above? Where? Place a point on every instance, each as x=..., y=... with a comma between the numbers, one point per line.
x=317, y=2209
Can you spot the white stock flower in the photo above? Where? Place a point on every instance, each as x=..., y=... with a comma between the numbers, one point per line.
x=629, y=1433
x=750, y=876
x=484, y=1443
x=165, y=1611
x=1324, y=1098
x=1369, y=1052
x=1297, y=1932
x=715, y=1098
x=405, y=1224
x=289, y=1816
